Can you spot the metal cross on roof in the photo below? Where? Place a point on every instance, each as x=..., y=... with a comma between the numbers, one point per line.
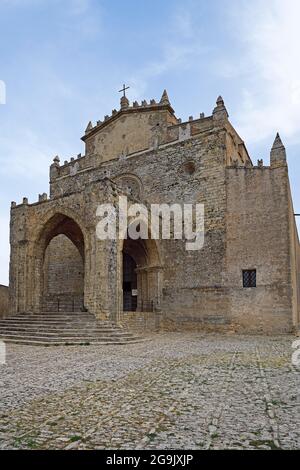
x=124, y=89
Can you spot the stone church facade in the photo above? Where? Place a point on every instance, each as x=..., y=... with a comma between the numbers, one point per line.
x=246, y=278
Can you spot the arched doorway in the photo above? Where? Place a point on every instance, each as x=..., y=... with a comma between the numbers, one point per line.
x=63, y=287
x=141, y=279
x=129, y=283
x=61, y=256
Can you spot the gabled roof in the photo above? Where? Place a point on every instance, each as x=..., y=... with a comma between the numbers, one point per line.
x=164, y=104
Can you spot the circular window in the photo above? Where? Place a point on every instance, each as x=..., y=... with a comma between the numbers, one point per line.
x=189, y=168
x=130, y=184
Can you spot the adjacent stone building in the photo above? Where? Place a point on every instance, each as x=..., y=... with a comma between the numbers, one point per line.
x=4, y=301
x=246, y=276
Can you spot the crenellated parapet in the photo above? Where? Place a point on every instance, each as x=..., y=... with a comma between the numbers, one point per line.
x=144, y=126
x=139, y=128
x=127, y=108
x=237, y=158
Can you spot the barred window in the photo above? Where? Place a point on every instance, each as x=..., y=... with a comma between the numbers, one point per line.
x=249, y=278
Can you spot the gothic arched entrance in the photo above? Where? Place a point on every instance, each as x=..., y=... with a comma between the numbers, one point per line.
x=61, y=258
x=141, y=276
x=129, y=283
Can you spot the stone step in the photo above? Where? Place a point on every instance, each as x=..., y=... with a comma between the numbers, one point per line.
x=67, y=315
x=63, y=337
x=54, y=320
x=55, y=323
x=29, y=326
x=61, y=312
x=64, y=328
x=52, y=317
x=70, y=341
x=54, y=312
x=56, y=328
x=60, y=328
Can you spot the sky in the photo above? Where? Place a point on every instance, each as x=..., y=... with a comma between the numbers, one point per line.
x=63, y=62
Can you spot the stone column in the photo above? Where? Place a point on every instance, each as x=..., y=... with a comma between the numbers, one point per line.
x=139, y=289
x=155, y=285
x=19, y=276
x=33, y=276
x=13, y=279
x=22, y=283
x=102, y=288
x=119, y=284
x=89, y=256
x=144, y=293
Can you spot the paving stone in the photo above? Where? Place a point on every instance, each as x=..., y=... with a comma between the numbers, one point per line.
x=176, y=391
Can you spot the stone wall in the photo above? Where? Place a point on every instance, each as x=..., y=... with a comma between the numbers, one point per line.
x=142, y=322
x=131, y=133
x=4, y=301
x=294, y=262
x=258, y=238
x=63, y=276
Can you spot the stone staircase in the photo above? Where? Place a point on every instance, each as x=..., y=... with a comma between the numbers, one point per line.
x=57, y=329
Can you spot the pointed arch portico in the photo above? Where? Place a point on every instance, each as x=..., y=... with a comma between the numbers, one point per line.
x=102, y=263
x=58, y=267
x=147, y=288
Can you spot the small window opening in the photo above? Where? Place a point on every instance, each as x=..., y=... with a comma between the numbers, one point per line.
x=249, y=277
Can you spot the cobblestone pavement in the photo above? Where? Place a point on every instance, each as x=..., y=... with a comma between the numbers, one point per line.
x=176, y=391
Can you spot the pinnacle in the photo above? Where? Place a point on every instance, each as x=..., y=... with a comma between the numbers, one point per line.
x=277, y=142
x=220, y=111
x=165, y=98
x=89, y=126
x=124, y=102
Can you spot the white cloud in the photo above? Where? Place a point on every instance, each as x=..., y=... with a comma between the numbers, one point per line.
x=269, y=31
x=25, y=156
x=174, y=56
x=183, y=23
x=179, y=51
x=78, y=7
x=2, y=92
x=21, y=3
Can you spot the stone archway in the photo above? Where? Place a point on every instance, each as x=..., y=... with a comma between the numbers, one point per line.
x=60, y=265
x=129, y=283
x=141, y=276
x=63, y=276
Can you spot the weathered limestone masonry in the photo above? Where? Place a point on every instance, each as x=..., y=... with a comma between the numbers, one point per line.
x=145, y=152
x=260, y=214
x=63, y=276
x=4, y=301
